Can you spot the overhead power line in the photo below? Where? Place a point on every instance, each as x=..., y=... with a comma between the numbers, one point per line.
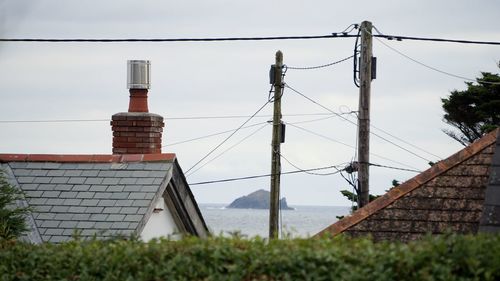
x=228, y=137
x=159, y=40
x=394, y=168
x=217, y=39
x=264, y=176
x=318, y=66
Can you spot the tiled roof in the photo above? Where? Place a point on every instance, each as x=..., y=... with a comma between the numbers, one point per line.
x=100, y=195
x=447, y=196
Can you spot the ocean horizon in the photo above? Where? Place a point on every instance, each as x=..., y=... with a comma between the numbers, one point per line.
x=303, y=221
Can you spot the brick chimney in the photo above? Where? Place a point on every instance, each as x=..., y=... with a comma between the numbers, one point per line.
x=137, y=131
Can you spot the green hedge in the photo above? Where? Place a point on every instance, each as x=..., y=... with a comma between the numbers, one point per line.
x=448, y=257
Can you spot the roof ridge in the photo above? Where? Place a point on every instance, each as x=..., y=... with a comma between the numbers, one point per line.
x=87, y=158
x=411, y=184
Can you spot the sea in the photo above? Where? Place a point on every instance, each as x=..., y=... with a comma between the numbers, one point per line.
x=302, y=222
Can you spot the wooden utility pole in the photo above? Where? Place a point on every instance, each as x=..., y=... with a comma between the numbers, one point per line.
x=365, y=77
x=276, y=78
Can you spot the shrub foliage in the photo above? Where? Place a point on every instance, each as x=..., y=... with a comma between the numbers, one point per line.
x=448, y=257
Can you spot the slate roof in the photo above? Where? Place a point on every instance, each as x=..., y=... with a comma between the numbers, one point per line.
x=460, y=193
x=101, y=195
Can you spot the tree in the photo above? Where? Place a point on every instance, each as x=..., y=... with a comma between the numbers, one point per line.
x=474, y=111
x=12, y=218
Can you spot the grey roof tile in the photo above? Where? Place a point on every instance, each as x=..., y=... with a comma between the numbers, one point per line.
x=59, y=209
x=106, y=203
x=115, y=217
x=72, y=173
x=34, y=165
x=50, y=223
x=81, y=217
x=102, y=195
x=98, y=217
x=141, y=203
x=157, y=174
x=85, y=166
x=59, y=180
x=46, y=186
x=119, y=195
x=115, y=188
x=123, y=174
x=112, y=210
x=54, y=231
x=85, y=224
x=89, y=202
x=76, y=209
x=120, y=225
x=42, y=208
x=142, y=210
x=119, y=166
x=129, y=210
x=63, y=187
x=42, y=180
x=85, y=195
x=55, y=173
x=137, y=195
x=30, y=186
x=18, y=165
x=149, y=195
x=51, y=165
x=132, y=188
x=36, y=201
x=158, y=181
x=63, y=217
x=46, y=238
x=69, y=231
x=106, y=174
x=36, y=173
x=68, y=224
x=22, y=180
x=21, y=172
x=124, y=203
x=68, y=194
x=33, y=193
x=136, y=166
x=140, y=174
x=145, y=180
x=81, y=187
x=93, y=210
x=77, y=180
x=54, y=201
x=72, y=202
x=127, y=180
x=103, y=225
x=98, y=188
x=90, y=173
x=51, y=194
x=70, y=166
x=133, y=225
x=134, y=218
x=111, y=181
x=45, y=216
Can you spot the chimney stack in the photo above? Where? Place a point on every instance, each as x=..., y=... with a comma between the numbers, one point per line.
x=137, y=131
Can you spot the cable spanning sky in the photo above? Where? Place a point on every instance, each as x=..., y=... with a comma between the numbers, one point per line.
x=219, y=81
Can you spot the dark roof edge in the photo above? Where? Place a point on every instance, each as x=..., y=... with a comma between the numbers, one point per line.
x=186, y=204
x=408, y=186
x=87, y=158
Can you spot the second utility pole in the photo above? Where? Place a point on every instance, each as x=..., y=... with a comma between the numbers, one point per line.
x=365, y=77
x=276, y=79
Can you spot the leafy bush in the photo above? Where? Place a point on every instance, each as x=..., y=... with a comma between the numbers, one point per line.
x=448, y=257
x=12, y=218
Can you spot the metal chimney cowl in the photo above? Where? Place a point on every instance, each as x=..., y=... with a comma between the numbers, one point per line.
x=138, y=74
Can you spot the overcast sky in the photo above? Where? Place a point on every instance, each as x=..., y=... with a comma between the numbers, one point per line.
x=70, y=81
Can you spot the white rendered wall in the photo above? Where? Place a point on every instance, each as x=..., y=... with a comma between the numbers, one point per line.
x=160, y=224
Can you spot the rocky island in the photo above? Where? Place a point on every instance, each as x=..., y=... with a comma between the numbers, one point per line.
x=259, y=199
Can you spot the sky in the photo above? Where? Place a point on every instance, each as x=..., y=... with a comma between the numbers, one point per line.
x=87, y=81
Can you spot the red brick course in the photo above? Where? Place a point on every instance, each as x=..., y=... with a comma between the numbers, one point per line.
x=137, y=133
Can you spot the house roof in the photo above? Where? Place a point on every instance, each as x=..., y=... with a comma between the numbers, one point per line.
x=449, y=195
x=99, y=195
